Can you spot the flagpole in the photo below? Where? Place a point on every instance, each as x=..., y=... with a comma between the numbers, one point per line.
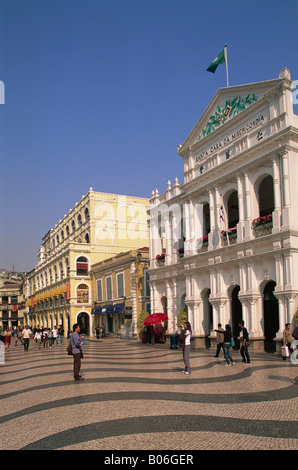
x=226, y=60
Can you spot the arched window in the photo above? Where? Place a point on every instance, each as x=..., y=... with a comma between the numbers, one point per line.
x=233, y=210
x=83, y=294
x=206, y=219
x=67, y=266
x=61, y=269
x=266, y=196
x=82, y=266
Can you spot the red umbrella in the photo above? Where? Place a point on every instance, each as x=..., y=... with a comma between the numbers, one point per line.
x=155, y=318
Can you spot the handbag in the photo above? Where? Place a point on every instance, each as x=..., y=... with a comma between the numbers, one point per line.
x=285, y=351
x=233, y=343
x=69, y=349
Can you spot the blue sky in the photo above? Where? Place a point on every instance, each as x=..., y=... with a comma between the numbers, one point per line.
x=98, y=93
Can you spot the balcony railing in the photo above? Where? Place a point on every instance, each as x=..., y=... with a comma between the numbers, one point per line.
x=262, y=226
x=202, y=244
x=229, y=236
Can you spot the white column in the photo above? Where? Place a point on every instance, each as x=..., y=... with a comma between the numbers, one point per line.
x=211, y=209
x=212, y=220
x=286, y=189
x=170, y=309
x=247, y=206
x=240, y=198
x=240, y=225
x=277, y=195
x=168, y=240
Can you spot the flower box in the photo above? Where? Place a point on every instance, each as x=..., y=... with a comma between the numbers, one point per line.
x=262, y=225
x=202, y=243
x=160, y=259
x=262, y=220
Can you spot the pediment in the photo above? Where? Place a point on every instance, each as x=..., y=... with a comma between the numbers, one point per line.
x=226, y=105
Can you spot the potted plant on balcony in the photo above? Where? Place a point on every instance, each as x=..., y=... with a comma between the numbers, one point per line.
x=265, y=219
x=262, y=225
x=160, y=258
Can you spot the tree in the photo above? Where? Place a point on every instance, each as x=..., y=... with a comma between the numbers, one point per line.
x=182, y=316
x=140, y=323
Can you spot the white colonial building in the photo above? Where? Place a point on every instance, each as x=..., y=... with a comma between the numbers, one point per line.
x=224, y=243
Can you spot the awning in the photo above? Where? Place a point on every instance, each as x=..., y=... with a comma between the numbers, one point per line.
x=109, y=309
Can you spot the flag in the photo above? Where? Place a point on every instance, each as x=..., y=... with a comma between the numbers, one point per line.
x=220, y=59
x=222, y=219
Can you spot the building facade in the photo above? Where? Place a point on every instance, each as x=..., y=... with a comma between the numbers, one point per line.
x=99, y=226
x=12, y=299
x=121, y=291
x=224, y=243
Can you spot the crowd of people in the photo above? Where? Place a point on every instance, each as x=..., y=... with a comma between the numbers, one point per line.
x=48, y=338
x=44, y=337
x=226, y=341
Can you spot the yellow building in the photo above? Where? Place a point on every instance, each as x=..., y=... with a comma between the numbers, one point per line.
x=121, y=291
x=101, y=225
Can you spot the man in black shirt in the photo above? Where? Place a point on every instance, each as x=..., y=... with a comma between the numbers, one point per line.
x=244, y=339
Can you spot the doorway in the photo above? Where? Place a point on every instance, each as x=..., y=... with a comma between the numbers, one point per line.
x=236, y=311
x=271, y=316
x=83, y=321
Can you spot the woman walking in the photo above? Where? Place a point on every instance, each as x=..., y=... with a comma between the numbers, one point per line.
x=184, y=343
x=7, y=338
x=37, y=338
x=227, y=344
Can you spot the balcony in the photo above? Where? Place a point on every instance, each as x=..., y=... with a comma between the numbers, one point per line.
x=229, y=236
x=262, y=226
x=160, y=259
x=202, y=244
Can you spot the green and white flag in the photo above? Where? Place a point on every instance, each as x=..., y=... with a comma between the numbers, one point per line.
x=220, y=59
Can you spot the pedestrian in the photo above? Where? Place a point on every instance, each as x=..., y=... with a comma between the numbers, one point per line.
x=76, y=341
x=150, y=333
x=219, y=339
x=97, y=331
x=55, y=335
x=244, y=343
x=60, y=334
x=18, y=335
x=7, y=338
x=103, y=331
x=45, y=338
x=26, y=336
x=287, y=339
x=37, y=338
x=227, y=344
x=184, y=344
